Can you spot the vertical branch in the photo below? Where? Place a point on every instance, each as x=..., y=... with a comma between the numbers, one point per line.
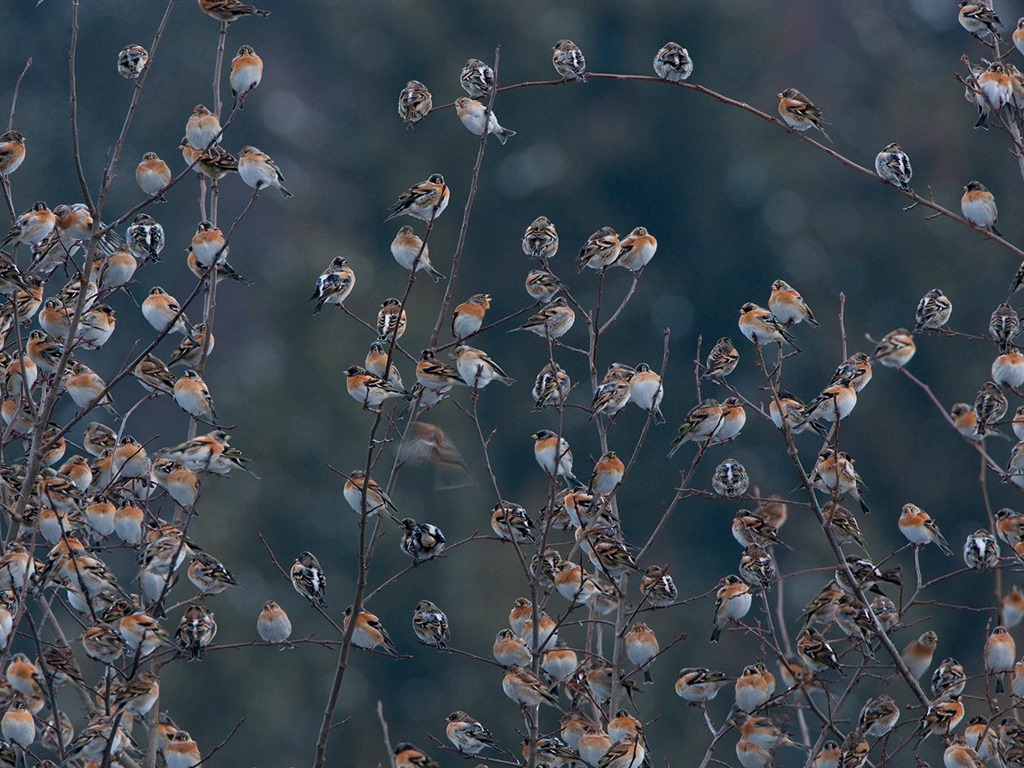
x=73, y=80
x=17, y=90
x=218, y=68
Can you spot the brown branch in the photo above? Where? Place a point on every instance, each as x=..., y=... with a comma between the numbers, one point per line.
x=17, y=89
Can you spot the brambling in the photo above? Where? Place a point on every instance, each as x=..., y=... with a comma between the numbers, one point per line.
x=623, y=725
x=1012, y=606
x=100, y=517
x=145, y=238
x=202, y=129
x=799, y=113
x=981, y=550
x=98, y=438
x=308, y=578
x=559, y=663
x=334, y=284
x=629, y=752
x=76, y=469
x=141, y=632
x=196, y=631
x=641, y=648
x=209, y=575
x=827, y=756
x=574, y=724
x=788, y=306
x=468, y=316
x=154, y=375
x=246, y=73
x=610, y=398
x=471, y=112
x=599, y=681
x=1008, y=368
x=392, y=319
x=511, y=522
x=996, y=86
x=867, y=575
x=1018, y=422
x=893, y=166
x=414, y=103
x=1004, y=325
x=842, y=523
x=834, y=403
x=1000, y=654
x=229, y=10
x=978, y=18
x=258, y=171
x=979, y=207
x=426, y=200
x=636, y=250
x=1010, y=739
x=816, y=653
x=965, y=421
x=754, y=687
x=193, y=396
x=54, y=318
x=430, y=625
x=895, y=349
x=593, y=744
x=409, y=251
x=543, y=566
x=12, y=152
x=569, y=62
x=600, y=251
x=730, y=479
x=763, y=732
x=369, y=633
x=721, y=360
x=760, y=326
x=208, y=244
x=854, y=751
x=672, y=62
x=959, y=755
x=509, y=649
x=377, y=359
x=657, y=587
x=919, y=528
x=933, y=311
x=163, y=312
x=421, y=541
x=540, y=241
x=757, y=567
x=190, y=350
x=749, y=528
x=87, y=388
x=943, y=715
x=698, y=685
x=525, y=688
x=273, y=624
x=542, y=285
x=788, y=409
x=434, y=375
x=834, y=472
x=646, y=391
x=137, y=695
x=522, y=609
x=130, y=458
x=551, y=322
x=477, y=79
x=607, y=475
x=467, y=734
x=948, y=678
x=699, y=425
x=732, y=602
x=152, y=174
x=878, y=716
x=553, y=455
x=477, y=369
x=18, y=725
x=547, y=632
x=1018, y=35
x=31, y=227
x=369, y=390
x=23, y=676
x=215, y=163
x=982, y=739
x=753, y=755
x=377, y=500
x=990, y=406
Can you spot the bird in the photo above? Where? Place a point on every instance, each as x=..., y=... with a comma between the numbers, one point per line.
x=471, y=112
x=978, y=18
x=893, y=166
x=193, y=396
x=468, y=316
x=525, y=688
x=196, y=631
x=477, y=369
x=164, y=313
x=509, y=648
x=369, y=390
x=799, y=113
x=259, y=171
x=754, y=687
x=152, y=175
x=207, y=573
x=895, y=349
x=540, y=241
x=600, y=251
x=229, y=10
x=816, y=653
x=760, y=326
x=369, y=634
x=949, y=678
x=551, y=386
x=1008, y=368
x=657, y=587
x=18, y=725
x=511, y=522
x=414, y=103
x=12, y=152
x=699, y=425
x=672, y=62
x=979, y=207
x=646, y=391
x=410, y=251
x=568, y=61
x=202, y=129
x=465, y=733
x=1000, y=654
x=542, y=285
x=430, y=625
x=636, y=250
x=943, y=715
x=981, y=550
x=629, y=752
x=477, y=79
x=757, y=567
x=308, y=578
x=698, y=685
x=919, y=528
x=246, y=74
x=426, y=200
x=273, y=624
x=608, y=472
x=732, y=602
x=730, y=479
x=191, y=349
x=377, y=500
x=788, y=306
x=933, y=311
x=551, y=322
x=334, y=284
x=32, y=227
x=641, y=648
x=408, y=756
x=958, y=754
x=878, y=716
x=990, y=406
x=553, y=455
x=721, y=360
x=421, y=541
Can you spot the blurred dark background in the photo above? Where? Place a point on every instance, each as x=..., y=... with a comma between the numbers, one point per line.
x=734, y=202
